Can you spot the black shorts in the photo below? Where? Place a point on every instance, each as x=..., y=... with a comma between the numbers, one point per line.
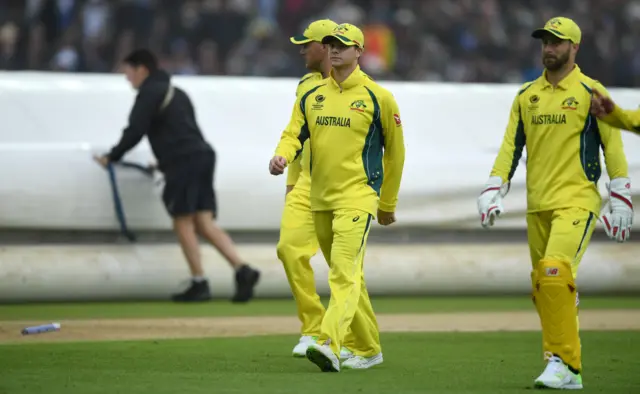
x=189, y=185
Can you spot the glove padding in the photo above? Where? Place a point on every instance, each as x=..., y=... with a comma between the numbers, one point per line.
x=490, y=200
x=617, y=214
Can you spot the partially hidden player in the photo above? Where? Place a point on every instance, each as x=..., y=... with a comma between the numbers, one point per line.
x=551, y=117
x=606, y=110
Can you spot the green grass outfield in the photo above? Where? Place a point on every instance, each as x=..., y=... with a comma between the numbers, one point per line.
x=284, y=307
x=448, y=363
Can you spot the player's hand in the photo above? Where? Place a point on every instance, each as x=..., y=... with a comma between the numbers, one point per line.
x=617, y=214
x=490, y=201
x=102, y=160
x=601, y=105
x=277, y=165
x=386, y=218
x=158, y=179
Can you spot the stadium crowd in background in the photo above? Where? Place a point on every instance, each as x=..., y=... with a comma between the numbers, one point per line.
x=434, y=40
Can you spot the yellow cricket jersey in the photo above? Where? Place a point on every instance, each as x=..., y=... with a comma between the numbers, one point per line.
x=624, y=119
x=563, y=143
x=353, y=128
x=298, y=170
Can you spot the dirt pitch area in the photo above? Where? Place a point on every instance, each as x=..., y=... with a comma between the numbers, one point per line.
x=162, y=328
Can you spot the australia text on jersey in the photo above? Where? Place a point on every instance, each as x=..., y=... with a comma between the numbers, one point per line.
x=333, y=121
x=549, y=119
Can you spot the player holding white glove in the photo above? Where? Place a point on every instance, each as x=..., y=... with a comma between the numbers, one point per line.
x=490, y=200
x=617, y=214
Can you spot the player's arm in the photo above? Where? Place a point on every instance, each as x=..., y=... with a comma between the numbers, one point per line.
x=624, y=119
x=295, y=134
x=394, y=153
x=512, y=145
x=295, y=168
x=606, y=110
x=612, y=145
x=504, y=167
x=613, y=148
x=617, y=215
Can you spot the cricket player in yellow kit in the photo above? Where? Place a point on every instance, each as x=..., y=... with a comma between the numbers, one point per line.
x=298, y=241
x=353, y=126
x=551, y=117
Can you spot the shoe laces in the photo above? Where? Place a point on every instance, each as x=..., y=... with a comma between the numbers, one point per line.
x=307, y=338
x=548, y=356
x=356, y=360
x=554, y=363
x=345, y=350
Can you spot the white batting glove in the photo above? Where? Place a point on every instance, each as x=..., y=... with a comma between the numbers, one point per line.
x=490, y=201
x=617, y=214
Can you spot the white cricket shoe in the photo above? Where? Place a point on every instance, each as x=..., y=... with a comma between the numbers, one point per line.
x=323, y=357
x=345, y=354
x=359, y=362
x=558, y=376
x=300, y=350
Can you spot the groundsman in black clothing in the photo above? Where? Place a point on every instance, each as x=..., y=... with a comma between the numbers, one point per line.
x=165, y=114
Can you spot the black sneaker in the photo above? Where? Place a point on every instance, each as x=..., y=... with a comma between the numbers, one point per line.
x=246, y=280
x=198, y=291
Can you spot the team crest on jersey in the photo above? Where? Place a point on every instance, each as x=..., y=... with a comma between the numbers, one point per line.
x=318, y=104
x=533, y=102
x=570, y=103
x=358, y=105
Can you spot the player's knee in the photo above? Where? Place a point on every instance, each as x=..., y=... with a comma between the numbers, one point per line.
x=554, y=273
x=287, y=249
x=281, y=250
x=184, y=222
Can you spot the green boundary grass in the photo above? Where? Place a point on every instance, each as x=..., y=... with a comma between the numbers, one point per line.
x=284, y=307
x=443, y=363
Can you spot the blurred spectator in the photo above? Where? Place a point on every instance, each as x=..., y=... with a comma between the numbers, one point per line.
x=8, y=43
x=434, y=40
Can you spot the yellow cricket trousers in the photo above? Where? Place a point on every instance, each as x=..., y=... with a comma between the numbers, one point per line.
x=557, y=236
x=297, y=244
x=342, y=235
x=562, y=234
